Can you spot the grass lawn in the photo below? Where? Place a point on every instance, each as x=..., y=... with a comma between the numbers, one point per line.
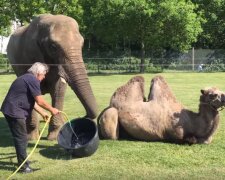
x=123, y=159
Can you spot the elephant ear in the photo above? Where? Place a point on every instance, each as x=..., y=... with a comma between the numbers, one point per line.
x=43, y=51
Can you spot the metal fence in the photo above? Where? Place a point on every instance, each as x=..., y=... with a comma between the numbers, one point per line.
x=193, y=60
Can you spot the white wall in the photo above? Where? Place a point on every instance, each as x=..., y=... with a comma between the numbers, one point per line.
x=3, y=44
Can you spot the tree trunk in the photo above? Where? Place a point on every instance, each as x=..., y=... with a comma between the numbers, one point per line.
x=89, y=45
x=142, y=65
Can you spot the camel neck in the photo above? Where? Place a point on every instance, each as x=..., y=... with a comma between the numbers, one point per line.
x=210, y=118
x=206, y=108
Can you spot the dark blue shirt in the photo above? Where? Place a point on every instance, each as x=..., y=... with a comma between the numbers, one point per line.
x=19, y=102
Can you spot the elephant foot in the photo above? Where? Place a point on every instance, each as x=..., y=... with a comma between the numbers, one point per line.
x=55, y=125
x=33, y=135
x=53, y=135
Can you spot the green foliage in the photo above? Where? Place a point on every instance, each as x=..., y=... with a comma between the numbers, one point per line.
x=4, y=18
x=148, y=24
x=216, y=65
x=213, y=35
x=178, y=24
x=24, y=11
x=153, y=68
x=123, y=64
x=171, y=24
x=136, y=25
x=4, y=64
x=66, y=7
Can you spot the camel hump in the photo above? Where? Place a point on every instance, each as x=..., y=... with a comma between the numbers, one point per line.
x=132, y=91
x=159, y=89
x=136, y=79
x=159, y=78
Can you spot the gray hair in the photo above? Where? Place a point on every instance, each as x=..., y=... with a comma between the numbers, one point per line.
x=38, y=68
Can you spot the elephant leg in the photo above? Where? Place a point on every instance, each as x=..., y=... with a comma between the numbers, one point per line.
x=57, y=121
x=33, y=126
x=108, y=124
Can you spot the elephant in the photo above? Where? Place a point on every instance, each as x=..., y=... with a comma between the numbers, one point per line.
x=56, y=41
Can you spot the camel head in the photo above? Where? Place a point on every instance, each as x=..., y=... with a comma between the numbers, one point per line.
x=214, y=97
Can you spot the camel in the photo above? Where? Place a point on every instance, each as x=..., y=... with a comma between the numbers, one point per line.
x=161, y=117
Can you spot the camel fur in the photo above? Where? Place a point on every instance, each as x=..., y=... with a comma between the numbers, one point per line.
x=161, y=117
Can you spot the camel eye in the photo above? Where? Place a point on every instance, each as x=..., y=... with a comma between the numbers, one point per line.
x=212, y=96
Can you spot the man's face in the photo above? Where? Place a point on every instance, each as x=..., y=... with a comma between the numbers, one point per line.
x=40, y=77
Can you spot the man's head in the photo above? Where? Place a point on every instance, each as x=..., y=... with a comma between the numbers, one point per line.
x=39, y=70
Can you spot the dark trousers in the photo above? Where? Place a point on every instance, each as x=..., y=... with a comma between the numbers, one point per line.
x=19, y=132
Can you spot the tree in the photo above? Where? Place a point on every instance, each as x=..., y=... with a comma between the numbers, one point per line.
x=161, y=24
x=154, y=24
x=138, y=24
x=150, y=24
x=24, y=11
x=5, y=18
x=213, y=35
x=178, y=26
x=70, y=8
x=101, y=18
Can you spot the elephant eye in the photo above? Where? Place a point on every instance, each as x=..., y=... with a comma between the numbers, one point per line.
x=53, y=47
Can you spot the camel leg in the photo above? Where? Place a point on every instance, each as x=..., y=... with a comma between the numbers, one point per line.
x=191, y=140
x=204, y=140
x=208, y=141
x=109, y=125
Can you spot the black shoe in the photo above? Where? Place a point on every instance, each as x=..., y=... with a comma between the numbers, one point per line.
x=32, y=162
x=26, y=170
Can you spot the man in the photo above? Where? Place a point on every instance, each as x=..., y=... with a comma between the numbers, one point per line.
x=23, y=96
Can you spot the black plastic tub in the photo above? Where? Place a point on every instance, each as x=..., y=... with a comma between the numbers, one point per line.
x=79, y=137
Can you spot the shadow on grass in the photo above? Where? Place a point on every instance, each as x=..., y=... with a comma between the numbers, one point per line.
x=8, y=166
x=55, y=152
x=5, y=134
x=6, y=162
x=7, y=156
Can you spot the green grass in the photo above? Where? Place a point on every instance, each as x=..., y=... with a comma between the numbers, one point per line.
x=124, y=159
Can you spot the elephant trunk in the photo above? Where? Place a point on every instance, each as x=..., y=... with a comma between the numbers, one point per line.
x=79, y=82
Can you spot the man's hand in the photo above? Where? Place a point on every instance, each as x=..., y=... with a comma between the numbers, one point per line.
x=41, y=102
x=41, y=111
x=45, y=116
x=54, y=111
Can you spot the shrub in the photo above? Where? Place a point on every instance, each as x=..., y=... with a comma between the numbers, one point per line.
x=215, y=66
x=153, y=69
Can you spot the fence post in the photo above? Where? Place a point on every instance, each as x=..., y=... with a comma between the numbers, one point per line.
x=193, y=58
x=7, y=66
x=98, y=67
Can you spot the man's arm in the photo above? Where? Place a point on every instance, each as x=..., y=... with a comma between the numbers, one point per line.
x=40, y=110
x=41, y=102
